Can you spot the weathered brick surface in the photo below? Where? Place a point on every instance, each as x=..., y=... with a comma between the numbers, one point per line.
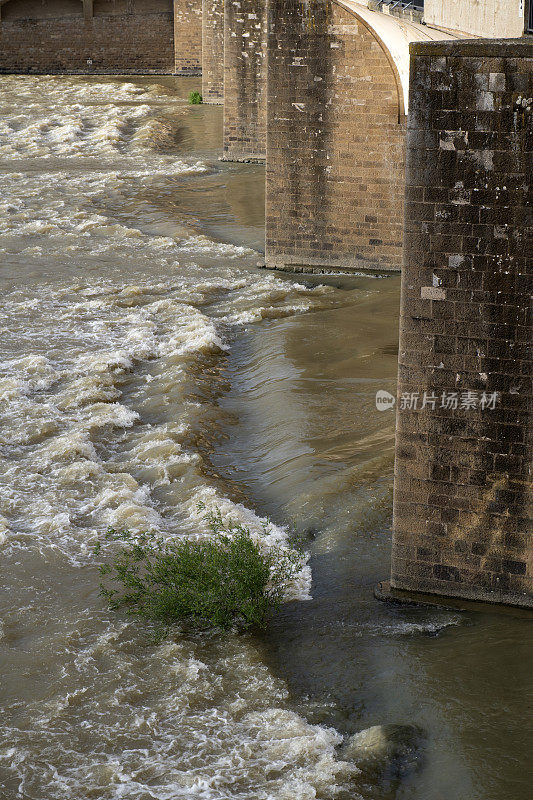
x=244, y=80
x=126, y=36
x=213, y=51
x=335, y=167
x=188, y=37
x=463, y=493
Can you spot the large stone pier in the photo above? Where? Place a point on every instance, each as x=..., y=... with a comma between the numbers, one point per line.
x=213, y=51
x=335, y=166
x=463, y=522
x=187, y=37
x=245, y=82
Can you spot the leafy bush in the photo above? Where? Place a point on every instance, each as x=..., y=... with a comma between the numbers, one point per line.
x=195, y=98
x=222, y=580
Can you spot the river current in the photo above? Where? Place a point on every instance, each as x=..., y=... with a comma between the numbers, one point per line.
x=149, y=365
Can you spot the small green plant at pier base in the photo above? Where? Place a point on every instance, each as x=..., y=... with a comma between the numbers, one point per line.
x=224, y=580
x=195, y=99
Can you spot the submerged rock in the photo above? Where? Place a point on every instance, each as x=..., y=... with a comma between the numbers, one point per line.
x=386, y=752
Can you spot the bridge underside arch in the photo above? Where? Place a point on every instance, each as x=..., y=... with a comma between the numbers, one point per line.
x=336, y=138
x=101, y=36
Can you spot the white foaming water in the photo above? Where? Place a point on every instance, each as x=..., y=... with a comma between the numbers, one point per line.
x=72, y=439
x=168, y=722
x=51, y=121
x=114, y=335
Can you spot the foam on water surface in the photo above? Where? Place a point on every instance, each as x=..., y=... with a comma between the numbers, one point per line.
x=65, y=417
x=168, y=722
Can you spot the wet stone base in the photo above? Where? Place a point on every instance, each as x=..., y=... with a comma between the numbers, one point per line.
x=246, y=159
x=331, y=269
x=503, y=604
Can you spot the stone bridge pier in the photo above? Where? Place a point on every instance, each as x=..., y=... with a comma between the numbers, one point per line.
x=187, y=16
x=336, y=131
x=463, y=501
x=336, y=113
x=245, y=80
x=213, y=51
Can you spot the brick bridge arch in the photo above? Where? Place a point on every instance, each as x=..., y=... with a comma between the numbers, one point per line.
x=393, y=40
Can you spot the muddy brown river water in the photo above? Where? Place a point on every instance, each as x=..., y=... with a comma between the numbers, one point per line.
x=147, y=365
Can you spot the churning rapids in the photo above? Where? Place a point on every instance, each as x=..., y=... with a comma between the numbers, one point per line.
x=147, y=365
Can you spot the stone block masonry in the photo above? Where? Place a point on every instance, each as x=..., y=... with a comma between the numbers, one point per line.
x=336, y=138
x=213, y=51
x=105, y=36
x=245, y=65
x=188, y=37
x=463, y=487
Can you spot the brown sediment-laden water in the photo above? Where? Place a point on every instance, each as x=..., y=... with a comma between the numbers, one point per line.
x=149, y=365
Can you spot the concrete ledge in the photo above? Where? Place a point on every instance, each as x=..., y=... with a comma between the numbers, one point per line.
x=321, y=267
x=245, y=159
x=474, y=48
x=503, y=604
x=305, y=269
x=89, y=73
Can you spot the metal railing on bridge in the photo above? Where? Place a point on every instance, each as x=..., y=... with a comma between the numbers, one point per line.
x=414, y=4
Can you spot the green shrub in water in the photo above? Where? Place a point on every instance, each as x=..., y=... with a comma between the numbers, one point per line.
x=195, y=99
x=224, y=580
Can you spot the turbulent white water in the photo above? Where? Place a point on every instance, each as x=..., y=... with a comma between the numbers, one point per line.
x=115, y=321
x=87, y=436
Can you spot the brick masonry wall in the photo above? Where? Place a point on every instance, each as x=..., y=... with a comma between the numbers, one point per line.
x=188, y=37
x=127, y=43
x=213, y=51
x=245, y=66
x=335, y=168
x=463, y=501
